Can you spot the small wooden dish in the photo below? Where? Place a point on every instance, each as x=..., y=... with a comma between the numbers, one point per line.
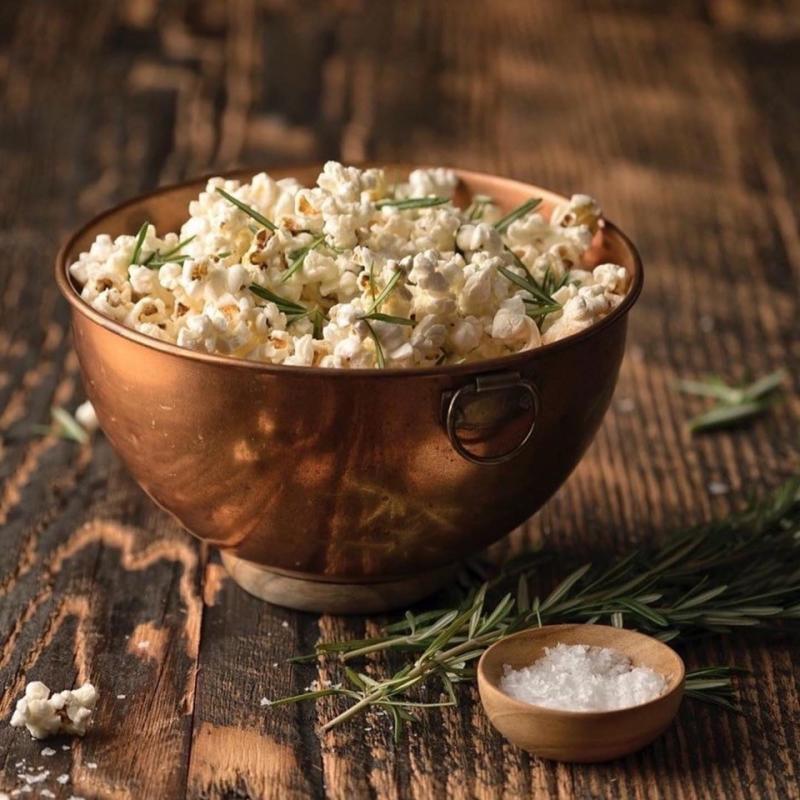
x=580, y=736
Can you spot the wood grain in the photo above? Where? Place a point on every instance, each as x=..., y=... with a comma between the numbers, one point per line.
x=679, y=116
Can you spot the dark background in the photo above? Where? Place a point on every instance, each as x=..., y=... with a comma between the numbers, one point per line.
x=681, y=117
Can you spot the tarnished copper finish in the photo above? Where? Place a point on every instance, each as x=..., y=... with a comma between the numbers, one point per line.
x=344, y=475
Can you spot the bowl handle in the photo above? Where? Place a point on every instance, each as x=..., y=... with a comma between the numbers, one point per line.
x=454, y=404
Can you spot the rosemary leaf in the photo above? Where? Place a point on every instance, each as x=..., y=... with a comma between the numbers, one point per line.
x=251, y=212
x=299, y=256
x=379, y=357
x=388, y=318
x=520, y=211
x=726, y=416
x=735, y=404
x=387, y=290
x=287, y=306
x=156, y=259
x=317, y=320
x=538, y=295
x=137, y=246
x=477, y=207
x=67, y=427
x=412, y=202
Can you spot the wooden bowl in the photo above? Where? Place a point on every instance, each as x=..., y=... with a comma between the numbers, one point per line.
x=580, y=736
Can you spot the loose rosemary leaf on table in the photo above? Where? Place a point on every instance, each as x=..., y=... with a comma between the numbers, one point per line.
x=735, y=404
x=64, y=425
x=739, y=571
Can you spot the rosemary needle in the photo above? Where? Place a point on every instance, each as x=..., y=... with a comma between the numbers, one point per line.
x=299, y=256
x=412, y=202
x=379, y=357
x=137, y=247
x=387, y=290
x=156, y=259
x=388, y=318
x=251, y=212
x=520, y=211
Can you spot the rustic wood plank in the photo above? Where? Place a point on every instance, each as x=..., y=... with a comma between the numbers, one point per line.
x=687, y=146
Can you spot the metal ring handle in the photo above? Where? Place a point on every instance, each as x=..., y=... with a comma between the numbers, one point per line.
x=490, y=384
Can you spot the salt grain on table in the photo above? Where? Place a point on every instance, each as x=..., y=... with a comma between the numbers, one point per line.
x=582, y=678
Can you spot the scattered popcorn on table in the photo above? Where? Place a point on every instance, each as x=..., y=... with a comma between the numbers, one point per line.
x=86, y=417
x=354, y=273
x=63, y=712
x=48, y=751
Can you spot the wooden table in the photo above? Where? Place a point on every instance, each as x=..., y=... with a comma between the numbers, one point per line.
x=682, y=117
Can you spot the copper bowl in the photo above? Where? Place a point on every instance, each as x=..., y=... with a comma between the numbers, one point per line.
x=345, y=490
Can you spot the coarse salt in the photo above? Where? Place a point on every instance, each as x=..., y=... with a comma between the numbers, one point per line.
x=580, y=677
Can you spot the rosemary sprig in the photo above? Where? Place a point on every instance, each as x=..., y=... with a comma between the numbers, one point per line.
x=743, y=570
x=251, y=212
x=388, y=318
x=294, y=311
x=288, y=307
x=713, y=685
x=412, y=202
x=735, y=404
x=520, y=211
x=299, y=256
x=157, y=259
x=137, y=245
x=540, y=303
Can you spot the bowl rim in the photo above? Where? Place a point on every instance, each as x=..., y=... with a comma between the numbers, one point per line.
x=71, y=294
x=673, y=686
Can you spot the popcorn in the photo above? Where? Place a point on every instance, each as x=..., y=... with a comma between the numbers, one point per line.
x=64, y=712
x=332, y=259
x=86, y=417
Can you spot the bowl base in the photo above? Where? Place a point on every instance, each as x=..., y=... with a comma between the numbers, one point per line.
x=303, y=594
